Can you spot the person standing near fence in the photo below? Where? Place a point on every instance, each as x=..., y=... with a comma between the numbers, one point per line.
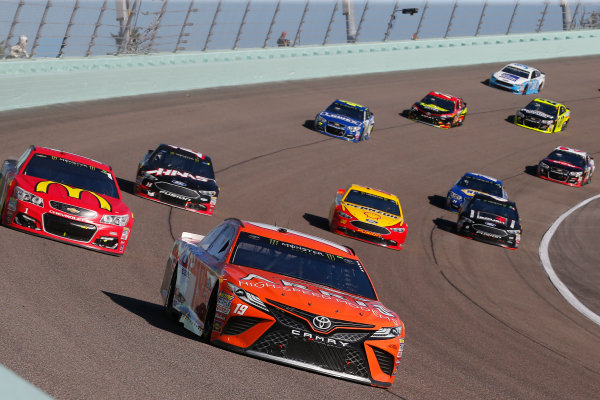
x=19, y=50
x=283, y=40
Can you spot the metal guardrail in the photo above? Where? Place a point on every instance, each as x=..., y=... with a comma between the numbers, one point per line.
x=100, y=27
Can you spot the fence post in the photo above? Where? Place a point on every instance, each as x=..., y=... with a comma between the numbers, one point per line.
x=38, y=35
x=239, y=34
x=66, y=37
x=481, y=18
x=328, y=31
x=14, y=23
x=416, y=34
x=543, y=17
x=451, y=19
x=574, y=19
x=362, y=19
x=156, y=26
x=212, y=25
x=299, y=31
x=512, y=18
x=272, y=23
x=185, y=24
x=391, y=22
x=95, y=33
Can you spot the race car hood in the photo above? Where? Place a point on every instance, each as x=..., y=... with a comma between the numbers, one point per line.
x=432, y=109
x=341, y=119
x=371, y=215
x=535, y=114
x=50, y=190
x=315, y=299
x=494, y=220
x=562, y=164
x=510, y=78
x=183, y=179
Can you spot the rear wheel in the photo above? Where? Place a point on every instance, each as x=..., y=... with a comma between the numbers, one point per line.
x=171, y=312
x=210, y=315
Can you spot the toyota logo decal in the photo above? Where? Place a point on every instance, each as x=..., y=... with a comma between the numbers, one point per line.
x=321, y=323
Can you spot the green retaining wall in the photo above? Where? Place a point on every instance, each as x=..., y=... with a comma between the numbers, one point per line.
x=43, y=81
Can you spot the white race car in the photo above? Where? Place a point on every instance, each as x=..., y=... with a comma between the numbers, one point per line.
x=519, y=78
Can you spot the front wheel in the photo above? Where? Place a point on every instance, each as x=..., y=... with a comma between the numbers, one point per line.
x=168, y=305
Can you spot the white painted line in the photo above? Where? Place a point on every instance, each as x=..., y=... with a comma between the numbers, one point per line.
x=545, y=259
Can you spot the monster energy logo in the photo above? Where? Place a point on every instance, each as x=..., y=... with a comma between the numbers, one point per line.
x=274, y=242
x=331, y=257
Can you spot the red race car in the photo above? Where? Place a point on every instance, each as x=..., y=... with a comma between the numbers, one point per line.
x=439, y=110
x=65, y=197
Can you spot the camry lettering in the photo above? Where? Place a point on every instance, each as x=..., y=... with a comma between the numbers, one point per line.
x=318, y=339
x=44, y=186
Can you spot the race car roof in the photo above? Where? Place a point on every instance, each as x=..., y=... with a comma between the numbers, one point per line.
x=289, y=235
x=73, y=157
x=520, y=66
x=371, y=190
x=571, y=150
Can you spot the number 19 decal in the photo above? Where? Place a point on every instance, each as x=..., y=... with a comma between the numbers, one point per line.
x=240, y=309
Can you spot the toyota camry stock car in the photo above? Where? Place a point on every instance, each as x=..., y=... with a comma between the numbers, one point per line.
x=345, y=120
x=472, y=183
x=568, y=166
x=370, y=215
x=65, y=197
x=518, y=78
x=544, y=116
x=439, y=110
x=490, y=219
x=283, y=296
x=178, y=177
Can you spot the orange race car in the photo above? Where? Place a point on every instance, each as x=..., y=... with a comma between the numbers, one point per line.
x=283, y=296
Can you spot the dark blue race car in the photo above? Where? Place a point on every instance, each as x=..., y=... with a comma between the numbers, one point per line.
x=346, y=120
x=472, y=183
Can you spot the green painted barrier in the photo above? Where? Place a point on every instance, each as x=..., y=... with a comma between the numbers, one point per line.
x=37, y=82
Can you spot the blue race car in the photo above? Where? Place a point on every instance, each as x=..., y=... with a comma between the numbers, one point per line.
x=518, y=78
x=346, y=120
x=472, y=183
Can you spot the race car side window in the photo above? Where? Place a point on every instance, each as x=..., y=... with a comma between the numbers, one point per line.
x=221, y=243
x=23, y=158
x=211, y=237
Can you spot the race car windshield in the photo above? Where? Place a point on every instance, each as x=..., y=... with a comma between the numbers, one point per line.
x=182, y=161
x=347, y=111
x=72, y=173
x=302, y=263
x=438, y=101
x=373, y=201
x=538, y=107
x=568, y=157
x=495, y=207
x=481, y=185
x=516, y=71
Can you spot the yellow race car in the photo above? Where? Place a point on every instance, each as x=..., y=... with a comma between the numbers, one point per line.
x=370, y=215
x=544, y=116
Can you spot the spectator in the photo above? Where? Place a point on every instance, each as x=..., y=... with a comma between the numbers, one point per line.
x=18, y=50
x=283, y=40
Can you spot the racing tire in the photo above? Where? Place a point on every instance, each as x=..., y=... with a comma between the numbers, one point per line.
x=210, y=315
x=541, y=87
x=564, y=126
x=168, y=305
x=525, y=89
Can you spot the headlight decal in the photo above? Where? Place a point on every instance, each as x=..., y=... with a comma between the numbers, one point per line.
x=247, y=297
x=24, y=195
x=118, y=220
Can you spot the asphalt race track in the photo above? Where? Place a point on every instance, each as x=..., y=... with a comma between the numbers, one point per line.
x=482, y=322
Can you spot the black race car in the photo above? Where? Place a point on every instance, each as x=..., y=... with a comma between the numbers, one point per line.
x=490, y=219
x=178, y=177
x=567, y=166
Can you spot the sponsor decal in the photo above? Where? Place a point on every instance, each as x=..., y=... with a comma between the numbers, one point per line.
x=367, y=232
x=180, y=183
x=68, y=216
x=43, y=186
x=224, y=303
x=177, y=196
x=540, y=114
x=372, y=215
x=174, y=172
x=318, y=339
x=340, y=117
x=321, y=323
x=218, y=326
x=509, y=77
x=12, y=204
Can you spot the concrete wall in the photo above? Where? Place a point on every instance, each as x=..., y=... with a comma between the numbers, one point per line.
x=37, y=82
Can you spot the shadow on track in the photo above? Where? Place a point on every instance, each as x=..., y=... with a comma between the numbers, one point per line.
x=125, y=185
x=154, y=314
x=445, y=225
x=317, y=222
x=437, y=201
